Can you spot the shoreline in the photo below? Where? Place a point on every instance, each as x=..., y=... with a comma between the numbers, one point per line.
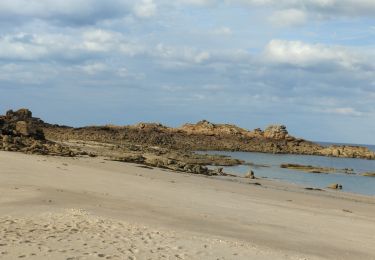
x=271, y=221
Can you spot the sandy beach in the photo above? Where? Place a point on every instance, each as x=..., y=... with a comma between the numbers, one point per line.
x=91, y=208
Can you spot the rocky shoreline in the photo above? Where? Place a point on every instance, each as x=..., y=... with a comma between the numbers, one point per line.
x=205, y=136
x=157, y=145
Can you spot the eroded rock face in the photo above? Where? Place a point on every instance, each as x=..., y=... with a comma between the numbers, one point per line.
x=19, y=131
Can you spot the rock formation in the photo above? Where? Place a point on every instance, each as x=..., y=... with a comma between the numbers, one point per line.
x=277, y=132
x=204, y=136
x=348, y=152
x=19, y=131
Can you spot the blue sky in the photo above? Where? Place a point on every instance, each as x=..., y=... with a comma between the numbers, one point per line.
x=307, y=64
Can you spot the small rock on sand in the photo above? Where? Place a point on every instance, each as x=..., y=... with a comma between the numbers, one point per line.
x=335, y=186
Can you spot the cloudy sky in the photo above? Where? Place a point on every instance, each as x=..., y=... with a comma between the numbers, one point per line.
x=308, y=64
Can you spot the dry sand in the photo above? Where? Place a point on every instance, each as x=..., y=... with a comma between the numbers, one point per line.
x=89, y=208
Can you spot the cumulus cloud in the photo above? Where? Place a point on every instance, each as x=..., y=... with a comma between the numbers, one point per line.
x=288, y=17
x=145, y=8
x=300, y=54
x=198, y=2
x=93, y=68
x=181, y=54
x=343, y=111
x=72, y=12
x=80, y=45
x=224, y=30
x=319, y=8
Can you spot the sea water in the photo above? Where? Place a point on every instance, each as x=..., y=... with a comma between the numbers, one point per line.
x=354, y=183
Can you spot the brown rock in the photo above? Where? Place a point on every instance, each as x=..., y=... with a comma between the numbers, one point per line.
x=276, y=132
x=369, y=174
x=23, y=128
x=21, y=114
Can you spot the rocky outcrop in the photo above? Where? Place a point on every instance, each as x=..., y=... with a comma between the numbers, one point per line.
x=277, y=132
x=205, y=136
x=348, y=152
x=205, y=127
x=19, y=131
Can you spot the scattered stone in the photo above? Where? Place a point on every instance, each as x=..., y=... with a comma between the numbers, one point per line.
x=250, y=175
x=335, y=186
x=368, y=174
x=314, y=189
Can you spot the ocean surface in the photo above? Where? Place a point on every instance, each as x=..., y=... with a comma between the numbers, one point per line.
x=351, y=183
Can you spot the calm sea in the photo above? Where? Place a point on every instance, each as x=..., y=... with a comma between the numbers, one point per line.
x=351, y=183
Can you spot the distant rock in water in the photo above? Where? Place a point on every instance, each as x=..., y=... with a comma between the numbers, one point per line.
x=368, y=174
x=19, y=131
x=347, y=151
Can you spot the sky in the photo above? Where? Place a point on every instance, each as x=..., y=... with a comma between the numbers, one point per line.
x=309, y=65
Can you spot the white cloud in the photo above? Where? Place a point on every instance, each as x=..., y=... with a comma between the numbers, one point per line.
x=198, y=2
x=23, y=46
x=301, y=54
x=321, y=8
x=222, y=31
x=66, y=12
x=202, y=56
x=289, y=17
x=145, y=9
x=343, y=111
x=181, y=54
x=94, y=68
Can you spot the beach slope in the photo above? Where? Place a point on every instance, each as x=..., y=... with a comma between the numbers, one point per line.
x=88, y=208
